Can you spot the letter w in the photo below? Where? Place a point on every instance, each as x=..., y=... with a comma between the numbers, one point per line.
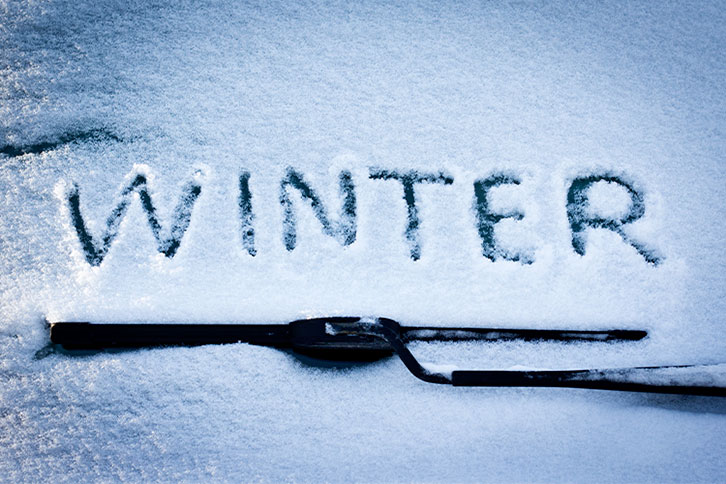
x=95, y=250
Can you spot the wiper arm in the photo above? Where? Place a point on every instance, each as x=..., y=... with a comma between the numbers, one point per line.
x=637, y=379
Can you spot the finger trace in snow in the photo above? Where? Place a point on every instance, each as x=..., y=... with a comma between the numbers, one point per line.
x=344, y=229
x=580, y=220
x=75, y=136
x=95, y=251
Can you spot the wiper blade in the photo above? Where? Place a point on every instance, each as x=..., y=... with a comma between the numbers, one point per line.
x=302, y=334
x=360, y=339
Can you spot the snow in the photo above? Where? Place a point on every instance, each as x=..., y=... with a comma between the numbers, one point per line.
x=608, y=200
x=439, y=369
x=94, y=94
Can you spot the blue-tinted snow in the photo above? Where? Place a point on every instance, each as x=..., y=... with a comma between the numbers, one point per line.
x=96, y=93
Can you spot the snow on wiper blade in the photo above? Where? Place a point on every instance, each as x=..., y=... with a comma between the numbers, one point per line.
x=503, y=334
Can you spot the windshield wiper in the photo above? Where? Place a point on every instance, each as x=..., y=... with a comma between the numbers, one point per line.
x=365, y=339
x=308, y=336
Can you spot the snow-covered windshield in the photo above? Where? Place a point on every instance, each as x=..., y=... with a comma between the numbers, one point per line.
x=550, y=165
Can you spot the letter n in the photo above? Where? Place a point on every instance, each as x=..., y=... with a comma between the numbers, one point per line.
x=343, y=230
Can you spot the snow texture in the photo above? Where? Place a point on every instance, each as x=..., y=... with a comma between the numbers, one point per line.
x=501, y=164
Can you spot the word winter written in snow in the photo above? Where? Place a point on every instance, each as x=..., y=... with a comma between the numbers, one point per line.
x=344, y=229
